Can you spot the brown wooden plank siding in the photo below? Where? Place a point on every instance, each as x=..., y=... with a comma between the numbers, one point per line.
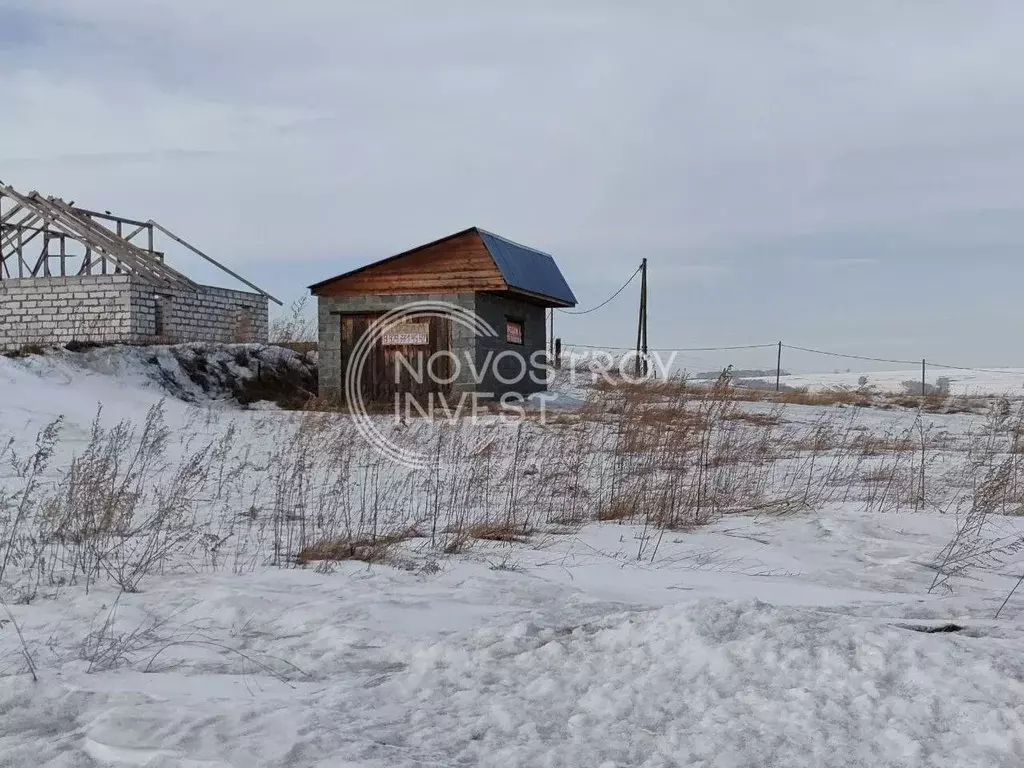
x=382, y=377
x=457, y=265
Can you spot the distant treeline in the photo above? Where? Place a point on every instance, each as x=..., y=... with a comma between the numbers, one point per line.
x=737, y=373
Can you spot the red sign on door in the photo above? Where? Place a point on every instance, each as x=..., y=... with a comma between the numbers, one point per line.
x=513, y=332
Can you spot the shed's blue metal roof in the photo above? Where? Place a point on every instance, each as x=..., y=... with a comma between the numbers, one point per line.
x=526, y=269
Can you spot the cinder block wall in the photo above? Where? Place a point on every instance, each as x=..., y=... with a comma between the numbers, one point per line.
x=496, y=310
x=56, y=310
x=111, y=309
x=212, y=314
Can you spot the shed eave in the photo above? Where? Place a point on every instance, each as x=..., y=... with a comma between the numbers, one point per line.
x=538, y=298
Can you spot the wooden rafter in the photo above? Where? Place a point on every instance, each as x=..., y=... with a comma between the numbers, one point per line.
x=53, y=218
x=107, y=240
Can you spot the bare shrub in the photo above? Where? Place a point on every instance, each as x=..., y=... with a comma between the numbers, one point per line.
x=295, y=325
x=21, y=510
x=107, y=647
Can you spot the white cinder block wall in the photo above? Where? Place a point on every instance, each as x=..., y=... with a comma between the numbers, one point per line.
x=212, y=314
x=111, y=309
x=56, y=310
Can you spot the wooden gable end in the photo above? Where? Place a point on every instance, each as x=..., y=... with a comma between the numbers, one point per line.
x=458, y=264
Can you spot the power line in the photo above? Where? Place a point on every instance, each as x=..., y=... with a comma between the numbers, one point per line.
x=852, y=357
x=606, y=301
x=901, y=363
x=974, y=370
x=826, y=353
x=676, y=349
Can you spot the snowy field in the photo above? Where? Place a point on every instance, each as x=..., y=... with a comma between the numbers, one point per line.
x=997, y=381
x=766, y=597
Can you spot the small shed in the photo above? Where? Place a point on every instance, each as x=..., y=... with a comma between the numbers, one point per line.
x=508, y=286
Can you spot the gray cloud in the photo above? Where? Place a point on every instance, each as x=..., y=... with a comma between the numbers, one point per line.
x=791, y=168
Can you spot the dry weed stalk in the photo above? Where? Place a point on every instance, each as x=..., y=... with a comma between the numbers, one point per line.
x=292, y=488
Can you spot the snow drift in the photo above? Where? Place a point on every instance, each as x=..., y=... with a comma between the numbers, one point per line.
x=197, y=373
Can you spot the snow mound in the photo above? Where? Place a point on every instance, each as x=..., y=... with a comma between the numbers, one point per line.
x=244, y=374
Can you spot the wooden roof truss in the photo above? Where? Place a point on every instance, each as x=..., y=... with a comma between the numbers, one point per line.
x=47, y=237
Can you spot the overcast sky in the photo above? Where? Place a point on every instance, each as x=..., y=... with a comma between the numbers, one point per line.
x=839, y=175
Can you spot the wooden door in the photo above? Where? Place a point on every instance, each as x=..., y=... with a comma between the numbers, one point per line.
x=353, y=327
x=400, y=361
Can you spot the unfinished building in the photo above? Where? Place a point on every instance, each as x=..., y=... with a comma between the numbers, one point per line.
x=68, y=274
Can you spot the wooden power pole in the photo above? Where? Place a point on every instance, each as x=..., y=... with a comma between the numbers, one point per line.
x=641, y=327
x=643, y=293
x=778, y=369
x=551, y=333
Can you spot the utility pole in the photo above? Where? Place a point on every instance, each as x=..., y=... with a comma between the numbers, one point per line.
x=778, y=369
x=641, y=325
x=551, y=332
x=643, y=295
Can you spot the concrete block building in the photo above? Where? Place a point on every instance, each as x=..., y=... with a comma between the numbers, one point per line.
x=68, y=274
x=507, y=286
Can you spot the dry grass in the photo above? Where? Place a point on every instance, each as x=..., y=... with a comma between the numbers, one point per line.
x=616, y=510
x=879, y=445
x=927, y=402
x=860, y=397
x=499, y=533
x=137, y=500
x=826, y=398
x=754, y=419
x=304, y=487
x=376, y=549
x=460, y=539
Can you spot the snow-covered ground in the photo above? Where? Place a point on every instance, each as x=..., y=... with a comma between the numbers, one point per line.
x=757, y=640
x=997, y=381
x=754, y=642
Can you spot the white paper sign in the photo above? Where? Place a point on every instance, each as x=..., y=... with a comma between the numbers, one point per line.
x=408, y=334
